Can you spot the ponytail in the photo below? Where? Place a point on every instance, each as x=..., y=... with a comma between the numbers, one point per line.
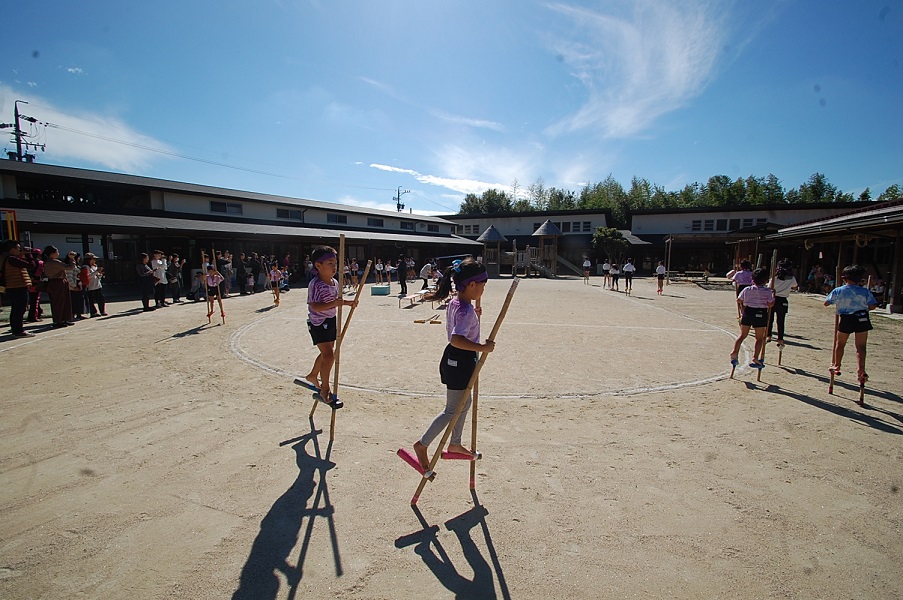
x=460, y=271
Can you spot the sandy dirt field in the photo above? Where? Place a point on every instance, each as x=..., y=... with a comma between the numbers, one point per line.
x=150, y=455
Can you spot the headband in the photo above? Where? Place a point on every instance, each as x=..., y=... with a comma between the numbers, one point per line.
x=476, y=278
x=326, y=257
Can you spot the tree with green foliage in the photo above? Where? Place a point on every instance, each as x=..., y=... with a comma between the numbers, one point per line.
x=865, y=196
x=491, y=202
x=891, y=193
x=608, y=242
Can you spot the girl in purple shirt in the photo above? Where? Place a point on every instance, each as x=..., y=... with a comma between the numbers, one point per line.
x=460, y=356
x=754, y=301
x=323, y=299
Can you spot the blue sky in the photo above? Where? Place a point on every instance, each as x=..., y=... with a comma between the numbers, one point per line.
x=344, y=101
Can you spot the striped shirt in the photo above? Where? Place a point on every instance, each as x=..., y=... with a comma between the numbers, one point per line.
x=757, y=297
x=318, y=291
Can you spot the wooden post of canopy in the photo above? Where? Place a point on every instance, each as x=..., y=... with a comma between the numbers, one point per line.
x=467, y=390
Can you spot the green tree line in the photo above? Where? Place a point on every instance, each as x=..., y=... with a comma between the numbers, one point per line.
x=719, y=190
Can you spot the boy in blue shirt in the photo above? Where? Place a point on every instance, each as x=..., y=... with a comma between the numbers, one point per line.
x=853, y=302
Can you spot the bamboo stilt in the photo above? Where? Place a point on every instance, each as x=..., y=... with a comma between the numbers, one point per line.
x=469, y=388
x=833, y=354
x=473, y=426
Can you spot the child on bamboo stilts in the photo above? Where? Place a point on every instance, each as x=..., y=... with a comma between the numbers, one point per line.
x=754, y=301
x=782, y=283
x=275, y=282
x=853, y=302
x=462, y=324
x=323, y=298
x=214, y=278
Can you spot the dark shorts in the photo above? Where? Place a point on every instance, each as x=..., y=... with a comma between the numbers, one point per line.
x=855, y=323
x=324, y=332
x=781, y=305
x=661, y=276
x=456, y=367
x=213, y=292
x=754, y=317
x=740, y=288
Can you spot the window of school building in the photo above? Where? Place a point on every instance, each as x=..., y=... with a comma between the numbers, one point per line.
x=228, y=208
x=371, y=222
x=334, y=218
x=286, y=213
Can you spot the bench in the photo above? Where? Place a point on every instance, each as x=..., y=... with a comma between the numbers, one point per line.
x=415, y=297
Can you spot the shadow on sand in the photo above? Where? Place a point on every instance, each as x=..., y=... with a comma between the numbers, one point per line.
x=429, y=549
x=281, y=527
x=849, y=413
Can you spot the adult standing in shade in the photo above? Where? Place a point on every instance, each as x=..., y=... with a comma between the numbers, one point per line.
x=15, y=274
x=57, y=287
x=146, y=281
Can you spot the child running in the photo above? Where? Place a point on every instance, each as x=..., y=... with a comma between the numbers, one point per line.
x=323, y=298
x=459, y=360
x=754, y=300
x=853, y=303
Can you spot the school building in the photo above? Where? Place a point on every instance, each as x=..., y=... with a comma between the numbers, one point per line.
x=118, y=216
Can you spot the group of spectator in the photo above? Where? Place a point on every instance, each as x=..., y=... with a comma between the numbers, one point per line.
x=74, y=285
x=251, y=273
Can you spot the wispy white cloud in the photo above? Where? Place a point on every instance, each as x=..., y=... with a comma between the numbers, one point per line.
x=457, y=184
x=75, y=70
x=467, y=121
x=103, y=140
x=636, y=67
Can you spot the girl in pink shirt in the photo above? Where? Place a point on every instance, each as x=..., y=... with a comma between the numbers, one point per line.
x=460, y=357
x=754, y=300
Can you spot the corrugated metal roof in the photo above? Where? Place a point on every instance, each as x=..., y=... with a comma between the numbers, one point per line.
x=87, y=175
x=887, y=214
x=113, y=222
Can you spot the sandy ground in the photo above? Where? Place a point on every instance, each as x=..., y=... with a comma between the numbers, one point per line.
x=155, y=456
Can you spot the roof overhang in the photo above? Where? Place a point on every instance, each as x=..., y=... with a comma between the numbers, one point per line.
x=113, y=223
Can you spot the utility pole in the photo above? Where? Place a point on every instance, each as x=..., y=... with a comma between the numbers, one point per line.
x=19, y=135
x=397, y=198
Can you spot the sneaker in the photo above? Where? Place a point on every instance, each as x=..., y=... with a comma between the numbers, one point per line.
x=24, y=334
x=103, y=314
